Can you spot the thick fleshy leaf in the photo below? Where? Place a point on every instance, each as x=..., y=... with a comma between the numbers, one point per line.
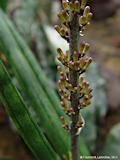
x=35, y=85
x=20, y=115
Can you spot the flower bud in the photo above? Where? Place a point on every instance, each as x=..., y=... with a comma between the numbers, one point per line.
x=82, y=64
x=65, y=125
x=88, y=103
x=86, y=11
x=89, y=17
x=70, y=112
x=82, y=105
x=84, y=47
x=83, y=20
x=86, y=26
x=81, y=79
x=64, y=17
x=59, y=50
x=88, y=63
x=63, y=58
x=75, y=89
x=90, y=96
x=65, y=5
x=79, y=124
x=69, y=86
x=72, y=6
x=62, y=32
x=83, y=4
x=77, y=6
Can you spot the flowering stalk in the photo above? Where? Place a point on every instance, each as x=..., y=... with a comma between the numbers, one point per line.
x=75, y=92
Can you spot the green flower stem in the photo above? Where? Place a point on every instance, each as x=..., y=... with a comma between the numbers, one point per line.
x=75, y=92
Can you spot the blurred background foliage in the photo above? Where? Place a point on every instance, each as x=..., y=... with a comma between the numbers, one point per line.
x=34, y=20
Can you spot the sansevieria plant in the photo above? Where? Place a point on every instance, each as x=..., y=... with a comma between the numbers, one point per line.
x=75, y=92
x=42, y=131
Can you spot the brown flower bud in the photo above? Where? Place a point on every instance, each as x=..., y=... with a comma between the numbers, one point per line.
x=65, y=125
x=82, y=46
x=83, y=4
x=82, y=63
x=62, y=32
x=60, y=52
x=86, y=48
x=65, y=5
x=63, y=16
x=88, y=63
x=83, y=20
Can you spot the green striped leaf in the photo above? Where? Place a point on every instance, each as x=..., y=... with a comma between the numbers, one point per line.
x=35, y=85
x=20, y=115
